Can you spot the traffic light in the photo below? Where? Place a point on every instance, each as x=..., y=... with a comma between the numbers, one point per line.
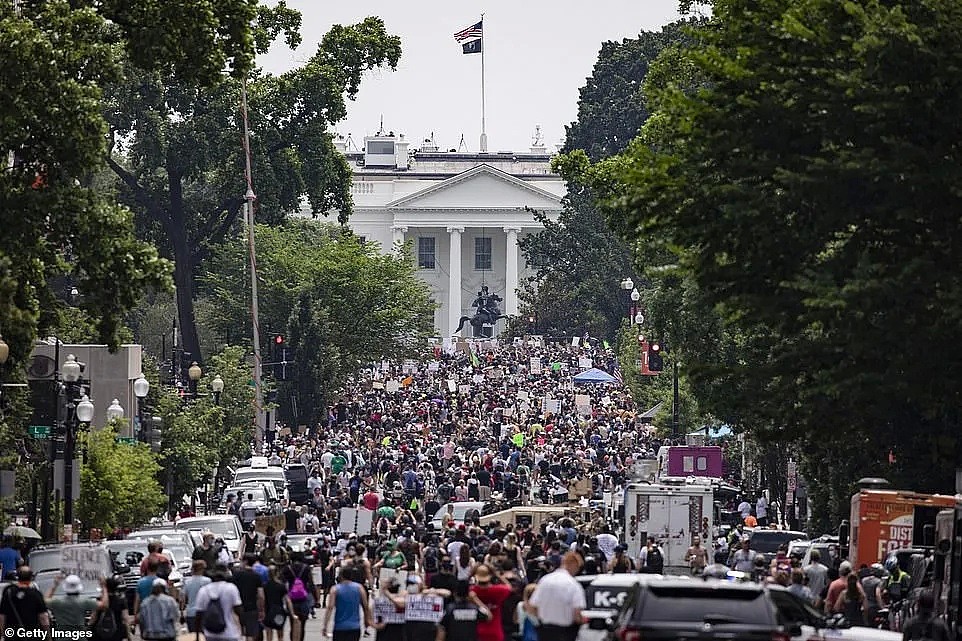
x=655, y=361
x=278, y=340
x=155, y=433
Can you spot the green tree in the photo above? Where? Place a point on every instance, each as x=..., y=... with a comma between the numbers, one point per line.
x=177, y=152
x=813, y=215
x=118, y=485
x=343, y=303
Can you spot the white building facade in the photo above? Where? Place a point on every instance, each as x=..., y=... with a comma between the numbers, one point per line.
x=462, y=213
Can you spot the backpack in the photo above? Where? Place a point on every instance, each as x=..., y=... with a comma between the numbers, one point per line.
x=213, y=619
x=106, y=626
x=431, y=562
x=163, y=569
x=654, y=561
x=298, y=591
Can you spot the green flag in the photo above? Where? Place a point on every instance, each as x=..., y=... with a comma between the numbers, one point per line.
x=518, y=439
x=606, y=345
x=474, y=359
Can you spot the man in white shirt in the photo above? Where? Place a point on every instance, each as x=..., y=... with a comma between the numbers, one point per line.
x=744, y=509
x=559, y=600
x=248, y=511
x=761, y=511
x=326, y=459
x=607, y=542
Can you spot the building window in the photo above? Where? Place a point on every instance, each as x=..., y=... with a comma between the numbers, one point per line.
x=482, y=253
x=362, y=239
x=380, y=148
x=426, y=252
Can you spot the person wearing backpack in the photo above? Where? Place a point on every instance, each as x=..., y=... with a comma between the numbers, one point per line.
x=109, y=620
x=652, y=560
x=219, y=608
x=302, y=592
x=431, y=560
x=925, y=626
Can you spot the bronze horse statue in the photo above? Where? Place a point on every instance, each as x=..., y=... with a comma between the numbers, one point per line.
x=477, y=323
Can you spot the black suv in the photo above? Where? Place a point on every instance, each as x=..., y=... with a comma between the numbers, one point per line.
x=687, y=609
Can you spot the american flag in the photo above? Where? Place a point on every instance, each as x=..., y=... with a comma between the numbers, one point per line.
x=474, y=31
x=618, y=375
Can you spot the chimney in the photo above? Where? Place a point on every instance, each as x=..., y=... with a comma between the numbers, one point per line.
x=340, y=143
x=401, y=152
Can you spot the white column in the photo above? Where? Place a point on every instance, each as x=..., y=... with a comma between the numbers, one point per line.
x=511, y=272
x=398, y=231
x=454, y=279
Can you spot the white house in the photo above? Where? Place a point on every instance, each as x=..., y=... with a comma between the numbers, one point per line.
x=463, y=213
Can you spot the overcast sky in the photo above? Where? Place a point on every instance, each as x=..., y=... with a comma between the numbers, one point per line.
x=538, y=54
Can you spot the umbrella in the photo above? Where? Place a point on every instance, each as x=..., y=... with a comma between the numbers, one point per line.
x=21, y=532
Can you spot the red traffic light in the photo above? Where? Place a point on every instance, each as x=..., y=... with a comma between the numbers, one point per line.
x=279, y=339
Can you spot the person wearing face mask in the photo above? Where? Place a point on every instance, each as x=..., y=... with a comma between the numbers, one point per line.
x=423, y=609
x=22, y=606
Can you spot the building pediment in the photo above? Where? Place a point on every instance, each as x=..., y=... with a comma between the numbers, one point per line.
x=481, y=187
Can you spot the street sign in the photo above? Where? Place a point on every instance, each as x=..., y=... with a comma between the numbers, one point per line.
x=127, y=440
x=39, y=431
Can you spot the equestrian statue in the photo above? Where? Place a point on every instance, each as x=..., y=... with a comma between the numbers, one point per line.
x=488, y=312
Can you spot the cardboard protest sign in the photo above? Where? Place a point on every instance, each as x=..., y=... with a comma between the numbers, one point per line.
x=392, y=386
x=535, y=365
x=82, y=560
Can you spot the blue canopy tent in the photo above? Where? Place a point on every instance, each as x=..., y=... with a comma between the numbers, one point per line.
x=595, y=375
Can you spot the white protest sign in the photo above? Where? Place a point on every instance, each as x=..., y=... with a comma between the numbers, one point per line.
x=385, y=366
x=424, y=607
x=392, y=386
x=86, y=562
x=523, y=395
x=584, y=362
x=575, y=341
x=433, y=366
x=477, y=378
x=535, y=365
x=386, y=612
x=583, y=403
x=552, y=405
x=452, y=385
x=494, y=373
x=464, y=389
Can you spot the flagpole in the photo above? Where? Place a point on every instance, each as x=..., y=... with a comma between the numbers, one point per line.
x=484, y=136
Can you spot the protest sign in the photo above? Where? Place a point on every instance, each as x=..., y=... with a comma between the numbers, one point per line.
x=575, y=341
x=584, y=362
x=523, y=395
x=84, y=561
x=452, y=385
x=535, y=365
x=552, y=405
x=433, y=366
x=392, y=386
x=464, y=389
x=424, y=607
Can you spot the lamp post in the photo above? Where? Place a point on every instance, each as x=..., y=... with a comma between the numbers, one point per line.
x=217, y=386
x=194, y=373
x=77, y=412
x=115, y=411
x=141, y=388
x=4, y=351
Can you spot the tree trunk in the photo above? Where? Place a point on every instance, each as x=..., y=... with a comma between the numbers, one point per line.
x=183, y=269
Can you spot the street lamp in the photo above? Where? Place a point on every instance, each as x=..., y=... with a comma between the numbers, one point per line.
x=71, y=369
x=639, y=319
x=635, y=295
x=194, y=373
x=85, y=409
x=83, y=412
x=627, y=284
x=115, y=411
x=4, y=351
x=217, y=386
x=141, y=388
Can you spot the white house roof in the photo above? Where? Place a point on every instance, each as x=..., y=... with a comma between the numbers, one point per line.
x=481, y=187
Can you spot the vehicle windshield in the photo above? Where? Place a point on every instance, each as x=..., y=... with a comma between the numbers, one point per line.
x=44, y=581
x=767, y=542
x=269, y=474
x=244, y=490
x=43, y=560
x=698, y=604
x=224, y=529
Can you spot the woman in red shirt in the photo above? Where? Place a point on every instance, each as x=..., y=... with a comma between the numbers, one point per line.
x=493, y=595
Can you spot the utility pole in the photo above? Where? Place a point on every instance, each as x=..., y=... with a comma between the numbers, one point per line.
x=674, y=401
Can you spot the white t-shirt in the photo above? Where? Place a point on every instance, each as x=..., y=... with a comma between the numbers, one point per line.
x=761, y=508
x=744, y=508
x=326, y=459
x=557, y=597
x=229, y=597
x=607, y=544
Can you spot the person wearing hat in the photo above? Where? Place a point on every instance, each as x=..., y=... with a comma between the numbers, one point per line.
x=492, y=595
x=159, y=615
x=206, y=551
x=69, y=611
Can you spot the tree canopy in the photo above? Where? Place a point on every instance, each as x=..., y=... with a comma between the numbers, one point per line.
x=342, y=303
x=808, y=191
x=177, y=145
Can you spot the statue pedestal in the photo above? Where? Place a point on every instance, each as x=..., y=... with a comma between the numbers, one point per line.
x=485, y=331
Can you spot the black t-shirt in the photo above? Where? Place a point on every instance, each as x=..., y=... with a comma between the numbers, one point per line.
x=247, y=582
x=290, y=520
x=484, y=477
x=21, y=607
x=460, y=621
x=274, y=594
x=445, y=581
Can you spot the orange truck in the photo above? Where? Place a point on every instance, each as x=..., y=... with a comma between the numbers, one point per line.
x=884, y=521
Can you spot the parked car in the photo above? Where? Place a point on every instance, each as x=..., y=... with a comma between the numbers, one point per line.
x=46, y=562
x=225, y=526
x=272, y=474
x=816, y=626
x=265, y=495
